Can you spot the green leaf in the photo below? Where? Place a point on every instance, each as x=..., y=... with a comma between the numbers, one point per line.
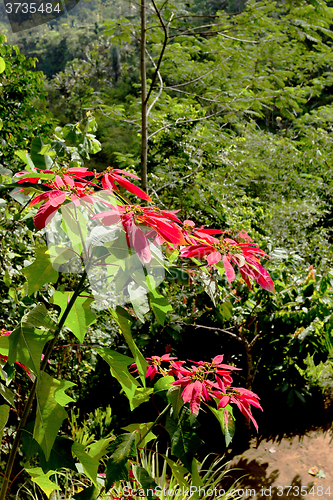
x=80, y=316
x=147, y=482
x=74, y=223
x=26, y=343
x=211, y=287
x=196, y=479
x=43, y=480
x=125, y=321
x=141, y=430
x=4, y=345
x=90, y=464
x=178, y=471
x=159, y=305
x=38, y=317
x=60, y=456
x=141, y=395
x=25, y=157
x=225, y=310
x=7, y=395
x=30, y=447
x=123, y=448
x=174, y=397
x=228, y=429
x=40, y=161
x=118, y=366
x=4, y=415
x=50, y=414
x=90, y=493
x=163, y=384
x=100, y=448
x=139, y=302
x=185, y=441
x=40, y=271
x=2, y=65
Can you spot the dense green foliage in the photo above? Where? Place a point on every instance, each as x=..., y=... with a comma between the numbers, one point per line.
x=240, y=137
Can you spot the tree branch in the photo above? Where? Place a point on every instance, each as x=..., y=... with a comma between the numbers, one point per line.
x=162, y=51
x=216, y=329
x=197, y=79
x=179, y=180
x=178, y=121
x=161, y=85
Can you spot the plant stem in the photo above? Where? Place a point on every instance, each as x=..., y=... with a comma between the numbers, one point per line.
x=28, y=404
x=144, y=132
x=156, y=421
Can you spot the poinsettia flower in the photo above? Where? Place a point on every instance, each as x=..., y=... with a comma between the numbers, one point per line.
x=154, y=365
x=164, y=222
x=244, y=255
x=193, y=235
x=113, y=175
x=242, y=398
x=192, y=394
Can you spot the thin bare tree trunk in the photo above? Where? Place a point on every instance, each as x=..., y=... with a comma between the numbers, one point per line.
x=144, y=133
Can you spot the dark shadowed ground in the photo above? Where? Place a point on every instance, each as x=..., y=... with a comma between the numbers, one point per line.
x=273, y=466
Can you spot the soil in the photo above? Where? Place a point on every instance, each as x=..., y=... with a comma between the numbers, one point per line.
x=279, y=469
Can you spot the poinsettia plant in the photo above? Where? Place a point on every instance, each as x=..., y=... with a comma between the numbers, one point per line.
x=121, y=252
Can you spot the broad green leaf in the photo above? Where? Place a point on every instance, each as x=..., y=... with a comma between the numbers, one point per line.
x=74, y=223
x=118, y=365
x=4, y=414
x=25, y=157
x=90, y=464
x=30, y=447
x=159, y=305
x=141, y=430
x=228, y=429
x=178, y=471
x=174, y=397
x=211, y=287
x=80, y=316
x=185, y=441
x=125, y=321
x=100, y=448
x=123, y=448
x=40, y=160
x=2, y=65
x=26, y=342
x=51, y=398
x=141, y=395
x=147, y=482
x=43, y=480
x=60, y=456
x=26, y=345
x=41, y=176
x=90, y=493
x=40, y=271
x=4, y=345
x=7, y=395
x=38, y=317
x=163, y=384
x=139, y=300
x=225, y=309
